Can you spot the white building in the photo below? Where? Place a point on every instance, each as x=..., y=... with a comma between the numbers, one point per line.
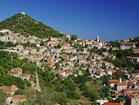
x=127, y=45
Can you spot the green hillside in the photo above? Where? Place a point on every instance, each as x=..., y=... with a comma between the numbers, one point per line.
x=26, y=25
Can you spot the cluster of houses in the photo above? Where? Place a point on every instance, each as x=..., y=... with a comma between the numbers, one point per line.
x=64, y=56
x=127, y=89
x=17, y=72
x=11, y=97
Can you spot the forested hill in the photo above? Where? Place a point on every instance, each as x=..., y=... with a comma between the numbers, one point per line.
x=24, y=24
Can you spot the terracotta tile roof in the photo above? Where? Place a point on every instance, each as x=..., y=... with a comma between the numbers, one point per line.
x=114, y=81
x=13, y=88
x=128, y=43
x=121, y=84
x=19, y=97
x=61, y=71
x=124, y=71
x=131, y=96
x=135, y=74
x=24, y=75
x=31, y=38
x=66, y=44
x=108, y=46
x=108, y=71
x=132, y=57
x=68, y=71
x=5, y=89
x=111, y=103
x=13, y=72
x=96, y=43
x=136, y=49
x=131, y=92
x=50, y=63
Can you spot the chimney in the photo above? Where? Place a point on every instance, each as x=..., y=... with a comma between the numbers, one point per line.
x=120, y=80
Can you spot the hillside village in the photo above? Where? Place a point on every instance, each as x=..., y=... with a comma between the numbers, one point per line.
x=66, y=56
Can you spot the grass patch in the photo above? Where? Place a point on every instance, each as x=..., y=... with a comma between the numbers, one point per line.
x=83, y=100
x=93, y=87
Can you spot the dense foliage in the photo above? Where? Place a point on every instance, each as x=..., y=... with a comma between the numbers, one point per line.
x=26, y=25
x=7, y=44
x=9, y=60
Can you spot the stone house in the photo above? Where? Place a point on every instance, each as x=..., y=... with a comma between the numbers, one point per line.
x=120, y=86
x=9, y=90
x=111, y=83
x=127, y=45
x=52, y=43
x=132, y=99
x=136, y=50
x=64, y=73
x=68, y=36
x=25, y=76
x=16, y=72
x=133, y=58
x=16, y=99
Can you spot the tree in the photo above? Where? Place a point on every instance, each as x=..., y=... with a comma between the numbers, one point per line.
x=73, y=37
x=29, y=67
x=45, y=97
x=2, y=98
x=120, y=99
x=115, y=44
x=118, y=74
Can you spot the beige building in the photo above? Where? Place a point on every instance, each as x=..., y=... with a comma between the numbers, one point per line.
x=127, y=45
x=120, y=86
x=132, y=99
x=18, y=98
x=111, y=83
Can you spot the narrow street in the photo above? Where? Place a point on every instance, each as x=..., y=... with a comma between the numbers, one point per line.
x=37, y=83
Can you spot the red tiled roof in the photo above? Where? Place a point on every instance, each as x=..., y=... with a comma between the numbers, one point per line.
x=135, y=74
x=24, y=75
x=131, y=96
x=108, y=46
x=126, y=43
x=96, y=43
x=50, y=63
x=121, y=84
x=114, y=81
x=131, y=57
x=68, y=71
x=13, y=72
x=110, y=103
x=5, y=89
x=19, y=97
x=13, y=88
x=136, y=49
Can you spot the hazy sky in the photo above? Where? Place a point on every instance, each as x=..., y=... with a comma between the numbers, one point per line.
x=110, y=19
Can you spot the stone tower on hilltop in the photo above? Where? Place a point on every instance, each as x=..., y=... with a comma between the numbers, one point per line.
x=97, y=38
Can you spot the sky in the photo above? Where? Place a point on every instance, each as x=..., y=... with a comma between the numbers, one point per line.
x=109, y=19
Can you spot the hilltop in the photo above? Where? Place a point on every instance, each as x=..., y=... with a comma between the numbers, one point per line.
x=66, y=70
x=24, y=24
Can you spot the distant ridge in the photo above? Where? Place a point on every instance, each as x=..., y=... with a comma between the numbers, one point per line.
x=24, y=24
